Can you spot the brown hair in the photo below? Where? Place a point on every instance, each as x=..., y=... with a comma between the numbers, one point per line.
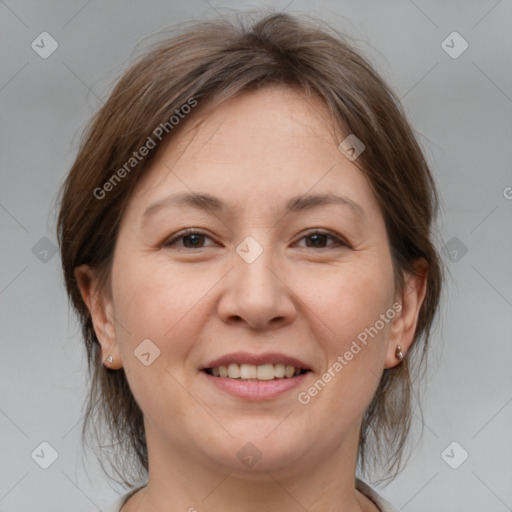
x=210, y=63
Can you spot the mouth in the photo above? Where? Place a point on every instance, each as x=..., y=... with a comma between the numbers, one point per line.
x=256, y=377
x=254, y=373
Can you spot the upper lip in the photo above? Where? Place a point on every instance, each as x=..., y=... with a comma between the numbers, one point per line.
x=256, y=359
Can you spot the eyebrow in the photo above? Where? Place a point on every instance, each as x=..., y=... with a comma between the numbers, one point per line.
x=207, y=202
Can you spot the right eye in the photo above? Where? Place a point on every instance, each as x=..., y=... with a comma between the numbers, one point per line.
x=192, y=238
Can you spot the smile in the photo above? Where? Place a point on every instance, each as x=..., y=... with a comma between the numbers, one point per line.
x=251, y=372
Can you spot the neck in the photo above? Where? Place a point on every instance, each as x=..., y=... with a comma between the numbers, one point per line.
x=181, y=480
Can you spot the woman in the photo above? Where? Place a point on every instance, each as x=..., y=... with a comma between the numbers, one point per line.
x=246, y=238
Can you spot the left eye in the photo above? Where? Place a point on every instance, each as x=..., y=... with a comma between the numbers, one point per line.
x=319, y=237
x=192, y=240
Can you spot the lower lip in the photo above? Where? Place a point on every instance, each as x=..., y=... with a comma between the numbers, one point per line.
x=260, y=390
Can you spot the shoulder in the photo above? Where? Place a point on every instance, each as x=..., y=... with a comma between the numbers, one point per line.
x=118, y=504
x=381, y=503
x=361, y=486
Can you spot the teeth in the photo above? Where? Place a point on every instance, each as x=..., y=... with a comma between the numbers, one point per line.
x=251, y=371
x=265, y=372
x=248, y=371
x=234, y=371
x=279, y=370
x=289, y=371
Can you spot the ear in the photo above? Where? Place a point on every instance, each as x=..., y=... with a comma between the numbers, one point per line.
x=404, y=325
x=101, y=310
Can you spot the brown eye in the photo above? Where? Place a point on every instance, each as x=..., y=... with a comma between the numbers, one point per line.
x=191, y=240
x=319, y=239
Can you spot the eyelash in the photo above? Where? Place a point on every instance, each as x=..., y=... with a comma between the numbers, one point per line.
x=191, y=231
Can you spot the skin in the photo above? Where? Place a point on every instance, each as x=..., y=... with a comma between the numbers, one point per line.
x=198, y=300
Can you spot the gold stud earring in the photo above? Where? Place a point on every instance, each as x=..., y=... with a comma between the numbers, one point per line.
x=398, y=353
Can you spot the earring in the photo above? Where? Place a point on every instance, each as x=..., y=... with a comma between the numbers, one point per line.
x=398, y=353
x=110, y=359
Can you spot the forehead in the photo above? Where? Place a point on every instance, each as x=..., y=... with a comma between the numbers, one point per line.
x=271, y=144
x=271, y=118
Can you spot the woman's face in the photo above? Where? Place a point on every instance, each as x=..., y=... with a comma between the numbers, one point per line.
x=253, y=280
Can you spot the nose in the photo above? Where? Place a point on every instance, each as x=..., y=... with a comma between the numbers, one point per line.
x=257, y=293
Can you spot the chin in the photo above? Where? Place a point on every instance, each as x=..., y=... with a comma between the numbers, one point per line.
x=257, y=449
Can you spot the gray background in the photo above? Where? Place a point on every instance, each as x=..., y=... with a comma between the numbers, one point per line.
x=461, y=108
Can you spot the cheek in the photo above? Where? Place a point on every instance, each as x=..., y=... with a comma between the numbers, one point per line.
x=157, y=303
x=351, y=299
x=155, y=300
x=352, y=306
x=352, y=332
